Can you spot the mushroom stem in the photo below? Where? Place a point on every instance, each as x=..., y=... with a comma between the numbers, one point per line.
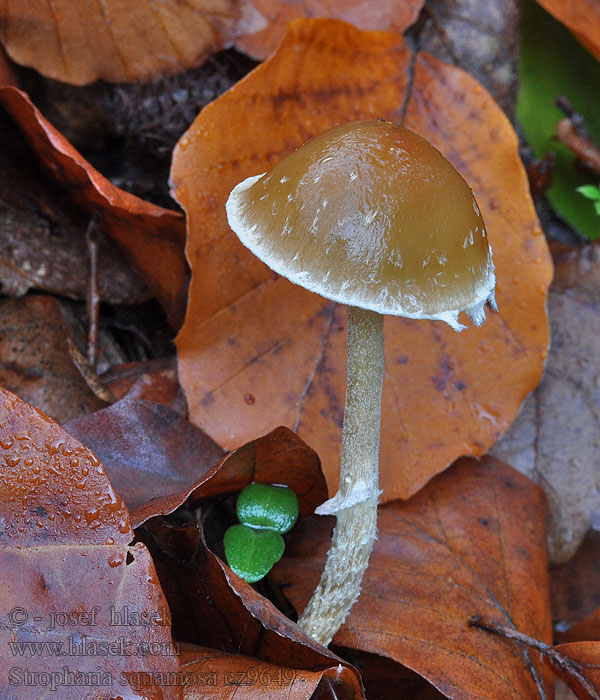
x=355, y=503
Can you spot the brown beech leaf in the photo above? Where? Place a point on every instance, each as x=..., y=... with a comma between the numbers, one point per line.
x=280, y=457
x=581, y=17
x=384, y=679
x=7, y=74
x=213, y=674
x=79, y=42
x=575, y=591
x=396, y=15
x=151, y=236
x=256, y=351
x=472, y=542
x=586, y=630
x=148, y=449
x=213, y=607
x=554, y=440
x=152, y=380
x=35, y=361
x=586, y=656
x=67, y=571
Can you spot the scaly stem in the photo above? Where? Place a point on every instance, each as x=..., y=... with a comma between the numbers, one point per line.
x=355, y=503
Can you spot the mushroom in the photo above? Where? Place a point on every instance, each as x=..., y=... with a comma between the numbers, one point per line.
x=371, y=215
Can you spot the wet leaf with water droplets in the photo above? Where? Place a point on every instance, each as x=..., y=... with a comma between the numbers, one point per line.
x=67, y=569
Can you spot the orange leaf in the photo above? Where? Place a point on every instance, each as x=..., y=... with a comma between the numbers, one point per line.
x=152, y=237
x=472, y=542
x=581, y=17
x=397, y=15
x=35, y=360
x=68, y=571
x=586, y=657
x=149, y=380
x=81, y=41
x=214, y=674
x=248, y=332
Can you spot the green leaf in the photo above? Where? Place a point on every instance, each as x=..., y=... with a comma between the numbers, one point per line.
x=251, y=553
x=589, y=191
x=553, y=63
x=268, y=506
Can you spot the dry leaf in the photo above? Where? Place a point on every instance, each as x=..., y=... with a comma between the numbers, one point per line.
x=148, y=449
x=256, y=351
x=151, y=236
x=35, y=361
x=472, y=542
x=67, y=571
x=214, y=674
x=151, y=380
x=586, y=655
x=581, y=17
x=555, y=438
x=79, y=41
x=480, y=37
x=396, y=15
x=575, y=589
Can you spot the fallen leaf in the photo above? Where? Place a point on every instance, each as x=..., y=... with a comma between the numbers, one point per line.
x=472, y=542
x=35, y=361
x=575, y=588
x=256, y=351
x=67, y=571
x=279, y=457
x=581, y=17
x=554, y=439
x=151, y=380
x=213, y=674
x=479, y=37
x=151, y=236
x=552, y=63
x=213, y=607
x=121, y=41
x=43, y=242
x=384, y=679
x=586, y=656
x=586, y=630
x=148, y=449
x=397, y=15
x=7, y=74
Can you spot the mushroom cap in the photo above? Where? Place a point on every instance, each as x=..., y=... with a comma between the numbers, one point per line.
x=371, y=215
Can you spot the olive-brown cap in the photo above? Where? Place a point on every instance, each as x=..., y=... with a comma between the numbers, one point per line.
x=372, y=215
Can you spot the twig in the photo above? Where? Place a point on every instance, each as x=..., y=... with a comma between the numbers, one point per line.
x=540, y=175
x=572, y=132
x=88, y=373
x=567, y=665
x=93, y=298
